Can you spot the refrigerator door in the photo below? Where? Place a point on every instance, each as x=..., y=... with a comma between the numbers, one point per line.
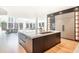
x=65, y=24
x=68, y=22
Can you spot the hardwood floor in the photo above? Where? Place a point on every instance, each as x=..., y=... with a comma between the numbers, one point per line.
x=66, y=46
x=21, y=49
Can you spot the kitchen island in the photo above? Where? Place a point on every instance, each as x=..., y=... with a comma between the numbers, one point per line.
x=38, y=43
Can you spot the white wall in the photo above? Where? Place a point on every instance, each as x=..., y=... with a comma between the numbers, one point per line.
x=3, y=11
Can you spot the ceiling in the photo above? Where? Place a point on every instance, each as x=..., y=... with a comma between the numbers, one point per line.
x=33, y=11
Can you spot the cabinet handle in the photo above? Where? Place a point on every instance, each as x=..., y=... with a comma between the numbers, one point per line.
x=62, y=27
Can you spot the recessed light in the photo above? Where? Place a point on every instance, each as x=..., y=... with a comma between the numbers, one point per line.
x=48, y=18
x=60, y=12
x=76, y=9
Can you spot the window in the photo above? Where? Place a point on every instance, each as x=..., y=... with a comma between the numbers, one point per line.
x=21, y=26
x=27, y=25
x=4, y=25
x=42, y=24
x=16, y=25
x=10, y=25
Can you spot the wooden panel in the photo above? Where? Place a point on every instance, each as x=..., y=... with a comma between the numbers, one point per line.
x=65, y=24
x=58, y=23
x=43, y=43
x=68, y=22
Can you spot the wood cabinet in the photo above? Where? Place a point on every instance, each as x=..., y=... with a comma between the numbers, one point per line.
x=65, y=24
x=39, y=44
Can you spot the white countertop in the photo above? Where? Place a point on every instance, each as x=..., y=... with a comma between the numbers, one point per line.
x=33, y=34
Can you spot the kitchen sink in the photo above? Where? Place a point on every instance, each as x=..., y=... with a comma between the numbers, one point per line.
x=45, y=32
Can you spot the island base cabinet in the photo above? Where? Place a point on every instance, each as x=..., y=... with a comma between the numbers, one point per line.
x=46, y=42
x=41, y=44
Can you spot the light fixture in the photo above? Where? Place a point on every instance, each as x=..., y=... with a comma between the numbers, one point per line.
x=48, y=18
x=60, y=12
x=76, y=9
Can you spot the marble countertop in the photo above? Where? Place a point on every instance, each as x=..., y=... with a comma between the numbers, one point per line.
x=33, y=34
